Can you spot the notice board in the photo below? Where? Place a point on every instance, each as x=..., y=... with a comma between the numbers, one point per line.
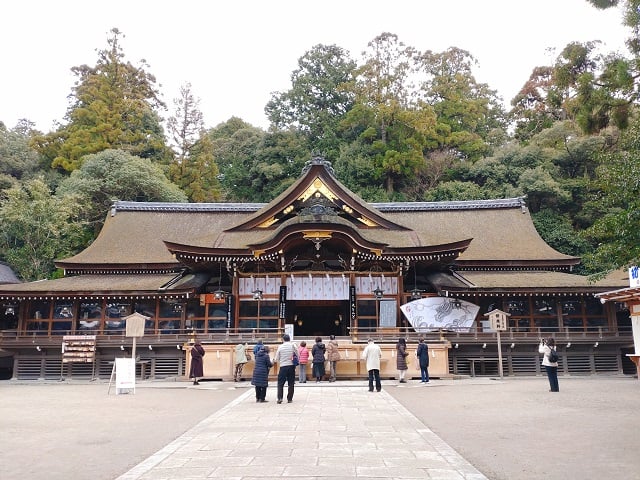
x=388, y=311
x=78, y=348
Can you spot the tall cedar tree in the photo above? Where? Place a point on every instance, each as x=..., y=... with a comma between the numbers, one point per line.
x=113, y=106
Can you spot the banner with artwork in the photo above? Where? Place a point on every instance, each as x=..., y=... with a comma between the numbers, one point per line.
x=440, y=313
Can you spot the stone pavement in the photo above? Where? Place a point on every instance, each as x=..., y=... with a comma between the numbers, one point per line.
x=326, y=432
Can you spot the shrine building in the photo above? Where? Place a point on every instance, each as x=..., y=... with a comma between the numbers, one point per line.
x=315, y=261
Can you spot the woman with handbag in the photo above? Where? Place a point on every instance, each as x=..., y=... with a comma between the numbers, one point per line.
x=550, y=362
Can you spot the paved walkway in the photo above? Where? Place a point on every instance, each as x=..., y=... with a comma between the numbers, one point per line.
x=326, y=432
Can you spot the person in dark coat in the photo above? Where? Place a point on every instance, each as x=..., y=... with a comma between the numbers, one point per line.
x=423, y=359
x=401, y=359
x=260, y=378
x=317, y=355
x=197, y=364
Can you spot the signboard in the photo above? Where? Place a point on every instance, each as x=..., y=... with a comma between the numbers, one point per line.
x=497, y=320
x=125, y=374
x=282, y=305
x=352, y=304
x=229, y=300
x=634, y=277
x=135, y=325
x=440, y=313
x=388, y=313
x=78, y=348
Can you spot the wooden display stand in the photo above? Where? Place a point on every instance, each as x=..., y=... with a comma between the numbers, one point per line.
x=78, y=349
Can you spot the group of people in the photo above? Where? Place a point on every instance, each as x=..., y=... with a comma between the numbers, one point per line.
x=288, y=356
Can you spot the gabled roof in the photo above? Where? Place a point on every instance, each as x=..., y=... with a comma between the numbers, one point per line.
x=483, y=234
x=318, y=189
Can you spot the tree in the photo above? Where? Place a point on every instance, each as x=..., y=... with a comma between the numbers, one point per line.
x=186, y=124
x=383, y=121
x=466, y=111
x=36, y=228
x=593, y=90
x=235, y=143
x=116, y=175
x=193, y=168
x=197, y=175
x=616, y=232
x=113, y=106
x=318, y=98
x=17, y=158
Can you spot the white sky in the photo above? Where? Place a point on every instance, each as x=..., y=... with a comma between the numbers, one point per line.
x=235, y=53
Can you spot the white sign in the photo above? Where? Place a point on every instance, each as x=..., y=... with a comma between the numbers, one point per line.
x=125, y=374
x=634, y=277
x=288, y=329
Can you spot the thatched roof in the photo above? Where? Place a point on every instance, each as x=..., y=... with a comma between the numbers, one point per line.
x=91, y=286
x=7, y=275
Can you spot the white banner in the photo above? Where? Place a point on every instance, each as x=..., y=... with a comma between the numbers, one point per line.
x=440, y=313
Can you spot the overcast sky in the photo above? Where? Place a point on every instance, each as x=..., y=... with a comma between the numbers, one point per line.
x=235, y=53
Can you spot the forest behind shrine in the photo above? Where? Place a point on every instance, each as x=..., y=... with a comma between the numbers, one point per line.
x=397, y=124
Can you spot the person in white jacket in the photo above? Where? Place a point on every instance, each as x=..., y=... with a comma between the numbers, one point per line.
x=372, y=355
x=546, y=347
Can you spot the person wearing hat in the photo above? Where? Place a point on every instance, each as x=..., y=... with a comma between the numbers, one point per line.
x=286, y=369
x=372, y=355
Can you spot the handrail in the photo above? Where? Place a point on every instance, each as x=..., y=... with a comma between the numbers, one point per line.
x=357, y=335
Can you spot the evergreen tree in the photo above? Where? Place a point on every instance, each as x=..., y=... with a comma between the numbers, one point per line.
x=114, y=105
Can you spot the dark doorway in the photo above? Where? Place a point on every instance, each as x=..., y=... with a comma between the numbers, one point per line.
x=319, y=318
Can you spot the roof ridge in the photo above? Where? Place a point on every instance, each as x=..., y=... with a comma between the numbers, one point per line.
x=249, y=207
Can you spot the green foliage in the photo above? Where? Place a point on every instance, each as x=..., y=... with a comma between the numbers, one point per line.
x=558, y=232
x=17, y=158
x=617, y=232
x=37, y=227
x=466, y=111
x=197, y=174
x=318, y=98
x=116, y=175
x=114, y=106
x=456, y=190
x=186, y=124
x=235, y=144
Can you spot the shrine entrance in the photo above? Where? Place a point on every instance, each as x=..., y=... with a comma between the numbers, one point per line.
x=315, y=318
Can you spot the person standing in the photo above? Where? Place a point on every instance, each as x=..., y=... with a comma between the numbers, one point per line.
x=196, y=370
x=286, y=370
x=303, y=356
x=260, y=377
x=333, y=355
x=423, y=360
x=547, y=348
x=401, y=359
x=317, y=357
x=372, y=355
x=241, y=357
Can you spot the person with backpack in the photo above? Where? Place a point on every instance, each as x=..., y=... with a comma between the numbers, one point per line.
x=550, y=361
